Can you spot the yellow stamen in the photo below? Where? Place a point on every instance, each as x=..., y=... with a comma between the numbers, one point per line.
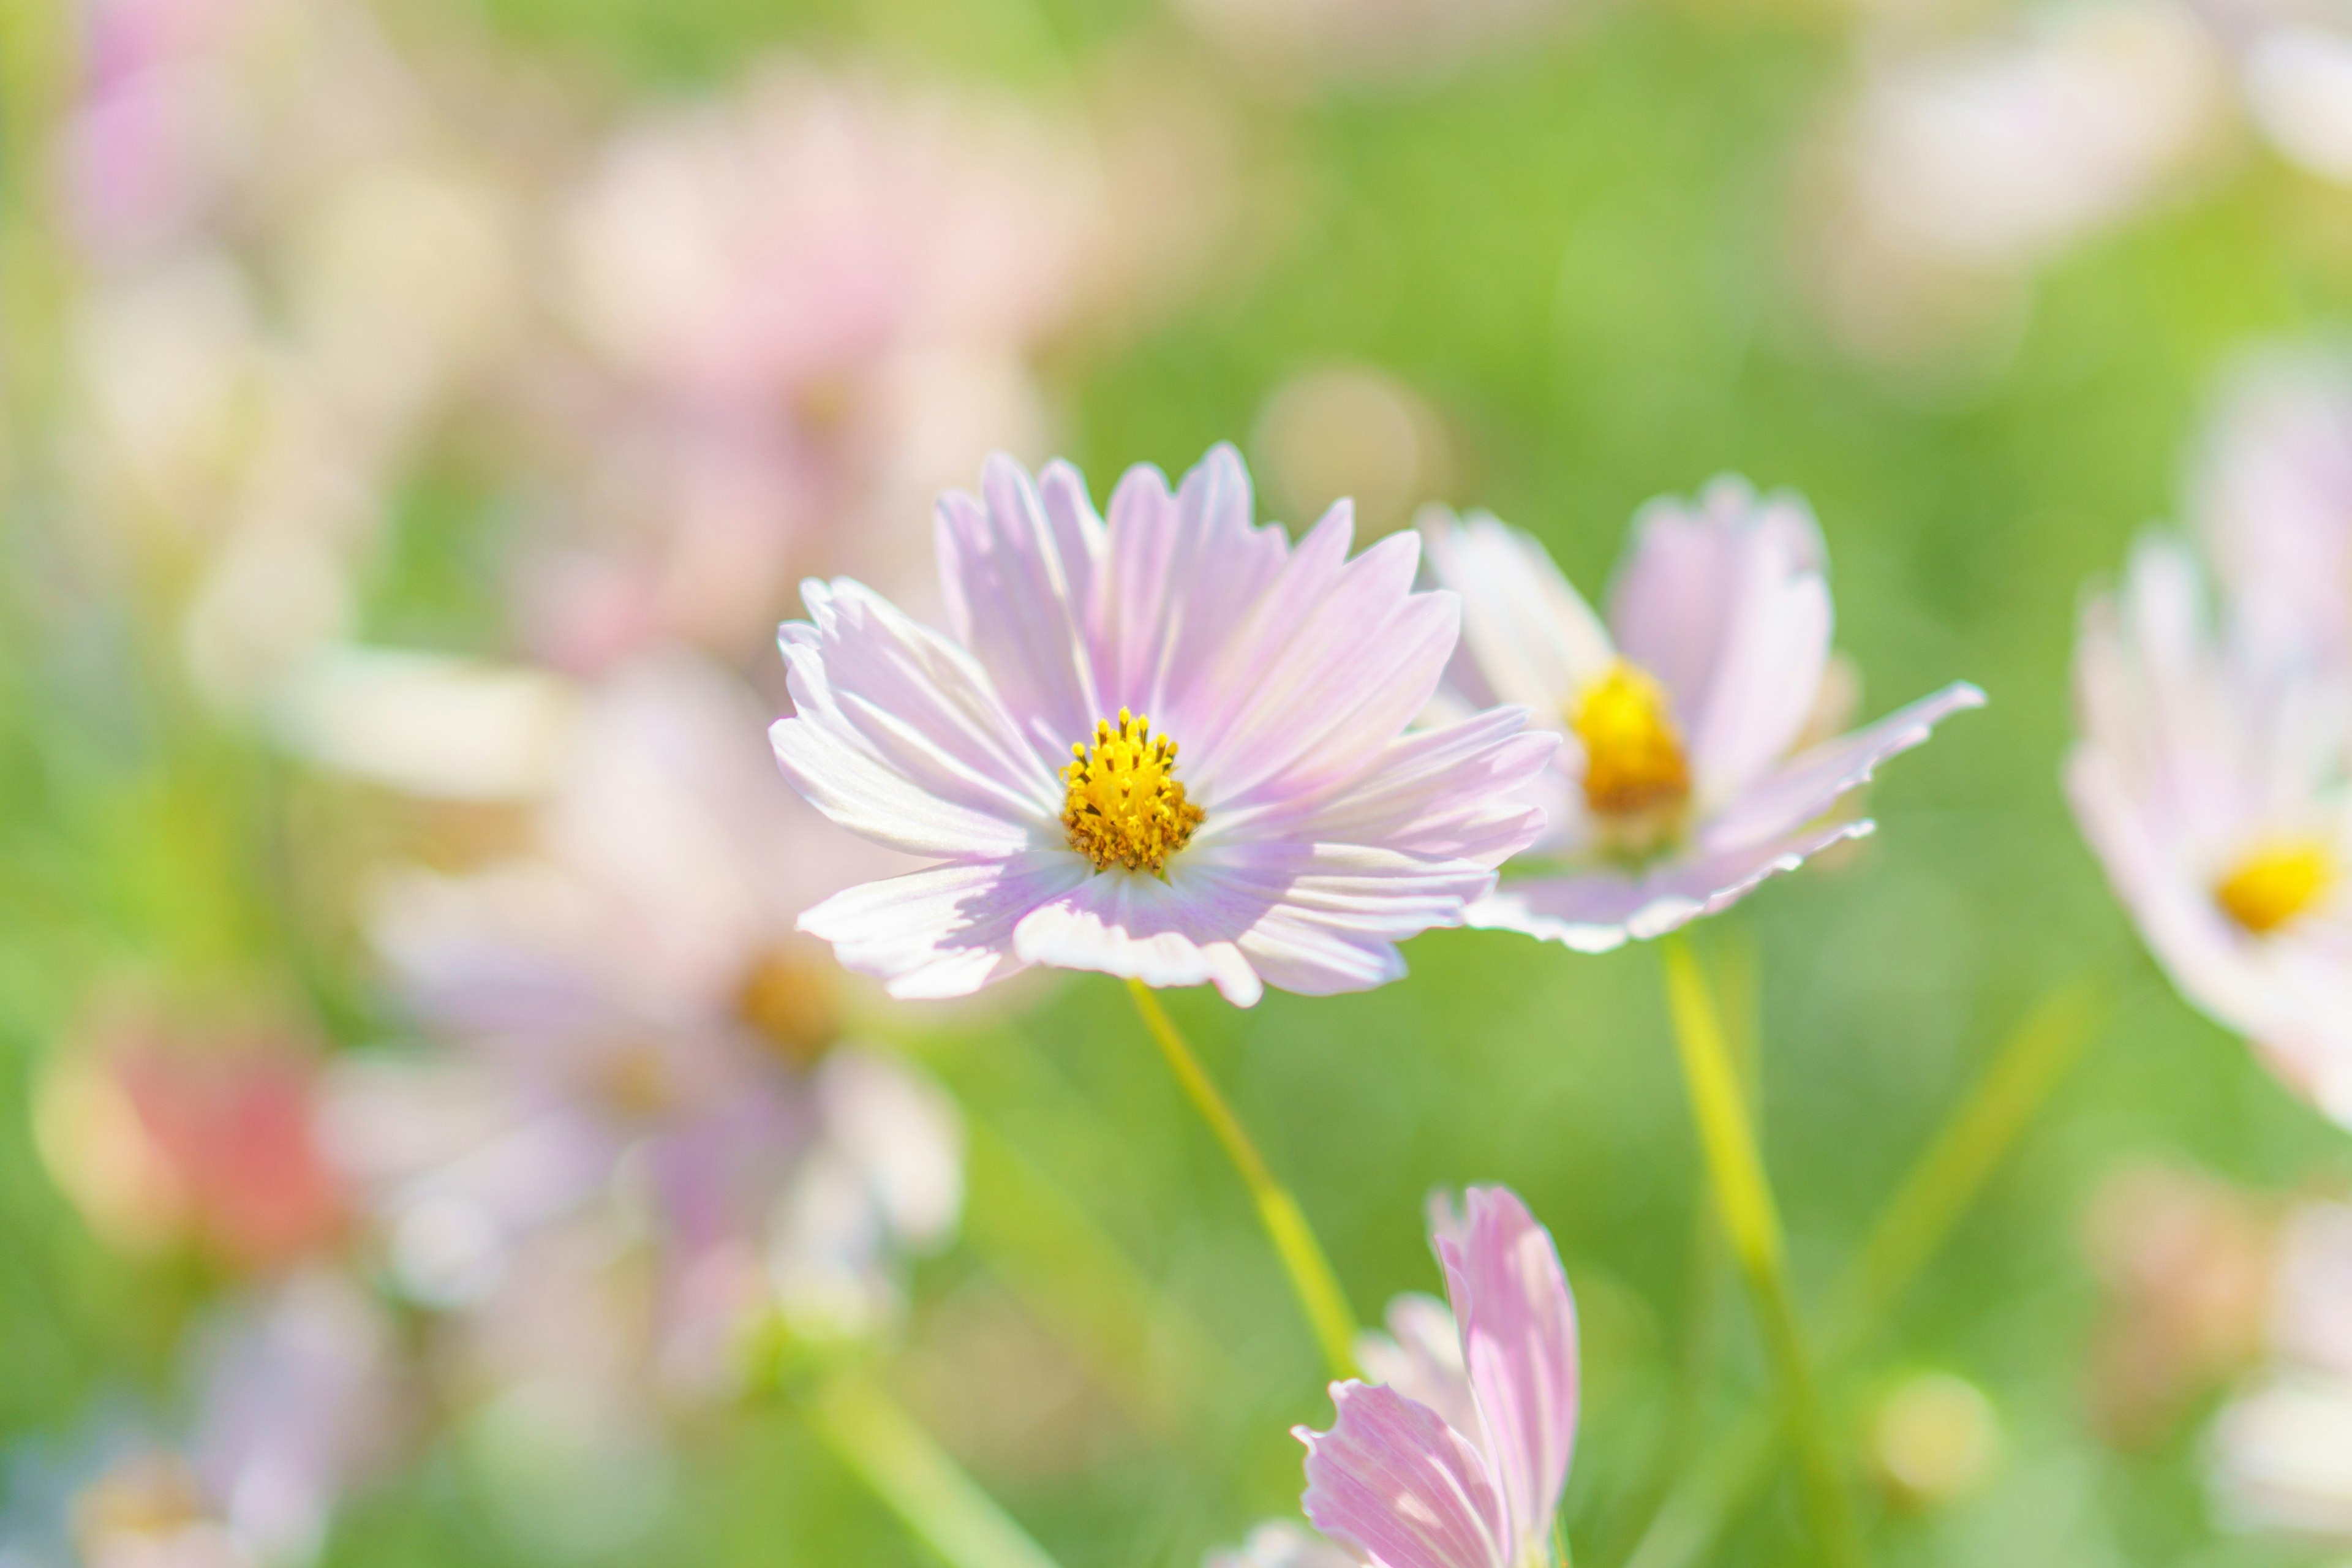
x=791, y=1000
x=1635, y=775
x=1125, y=806
x=2274, y=882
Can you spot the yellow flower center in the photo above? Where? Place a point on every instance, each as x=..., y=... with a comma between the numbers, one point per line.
x=1125, y=806
x=1636, y=778
x=2274, y=882
x=791, y=1000
x=146, y=1498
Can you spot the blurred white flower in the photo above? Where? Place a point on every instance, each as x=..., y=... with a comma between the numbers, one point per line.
x=1958, y=169
x=643, y=1047
x=2272, y=496
x=2282, y=1450
x=2211, y=782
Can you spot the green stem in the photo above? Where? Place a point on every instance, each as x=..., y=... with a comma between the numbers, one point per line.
x=1311, y=1279
x=1752, y=1225
x=943, y=1505
x=2025, y=1071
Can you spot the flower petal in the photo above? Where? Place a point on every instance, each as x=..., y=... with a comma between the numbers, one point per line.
x=1396, y=1486
x=1018, y=568
x=1595, y=910
x=1809, y=784
x=1420, y=1356
x=1518, y=1343
x=1535, y=640
x=946, y=931
x=898, y=735
x=1725, y=603
x=1324, y=917
x=1185, y=570
x=1281, y=1544
x=1334, y=660
x=1464, y=791
x=1180, y=931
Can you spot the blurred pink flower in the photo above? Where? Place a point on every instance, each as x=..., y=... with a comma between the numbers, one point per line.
x=1683, y=783
x=296, y=1403
x=2210, y=779
x=1959, y=167
x=820, y=297
x=2273, y=500
x=1307, y=833
x=1458, y=1458
x=164, y=1136
x=636, y=1022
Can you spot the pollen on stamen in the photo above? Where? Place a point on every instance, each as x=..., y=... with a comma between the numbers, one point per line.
x=1636, y=777
x=2274, y=883
x=1124, y=805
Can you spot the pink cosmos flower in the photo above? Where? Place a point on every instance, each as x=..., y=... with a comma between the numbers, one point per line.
x=2282, y=1450
x=2210, y=780
x=639, y=1035
x=1687, y=777
x=1458, y=1457
x=1297, y=836
x=818, y=296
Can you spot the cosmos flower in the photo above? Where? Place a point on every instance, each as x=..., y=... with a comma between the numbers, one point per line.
x=295, y=1402
x=817, y=297
x=2209, y=780
x=1687, y=779
x=641, y=1039
x=1456, y=1457
x=1957, y=169
x=1172, y=747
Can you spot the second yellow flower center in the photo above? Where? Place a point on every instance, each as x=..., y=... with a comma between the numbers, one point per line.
x=1635, y=773
x=2274, y=882
x=1124, y=805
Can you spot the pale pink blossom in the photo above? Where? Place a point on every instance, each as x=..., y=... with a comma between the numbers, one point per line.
x=1686, y=778
x=641, y=1038
x=818, y=298
x=296, y=1403
x=1458, y=1458
x=2272, y=496
x=1298, y=835
x=2210, y=779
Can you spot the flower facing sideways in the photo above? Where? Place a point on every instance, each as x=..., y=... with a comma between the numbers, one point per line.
x=1171, y=747
x=1456, y=1459
x=2210, y=780
x=1688, y=778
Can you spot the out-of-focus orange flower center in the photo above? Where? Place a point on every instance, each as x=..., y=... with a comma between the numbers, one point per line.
x=146, y=1500
x=2274, y=882
x=1124, y=805
x=1636, y=776
x=791, y=1000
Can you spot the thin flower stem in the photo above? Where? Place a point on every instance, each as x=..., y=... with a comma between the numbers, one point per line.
x=1311, y=1279
x=2028, y=1065
x=1751, y=1223
x=926, y=1488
